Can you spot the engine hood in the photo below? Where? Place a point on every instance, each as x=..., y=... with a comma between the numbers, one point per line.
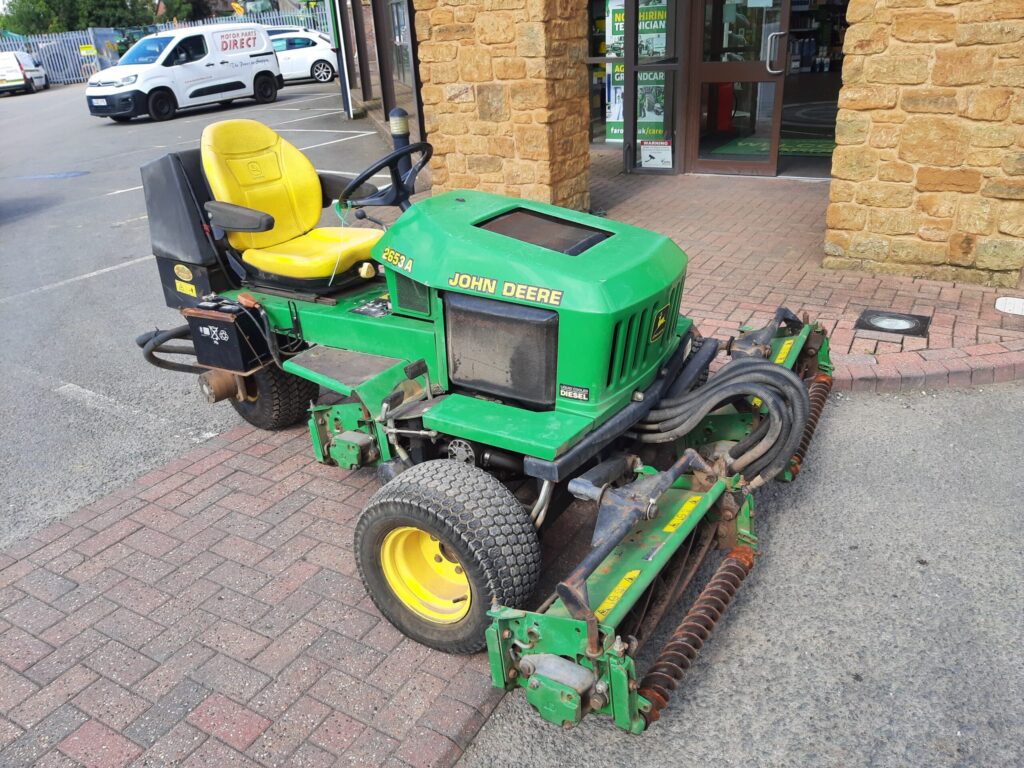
x=480, y=243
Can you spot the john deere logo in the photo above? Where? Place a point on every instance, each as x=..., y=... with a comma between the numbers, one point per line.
x=660, y=323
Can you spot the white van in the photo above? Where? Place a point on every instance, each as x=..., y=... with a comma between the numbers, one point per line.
x=19, y=72
x=180, y=68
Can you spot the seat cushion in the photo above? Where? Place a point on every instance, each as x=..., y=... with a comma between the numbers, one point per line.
x=247, y=163
x=320, y=253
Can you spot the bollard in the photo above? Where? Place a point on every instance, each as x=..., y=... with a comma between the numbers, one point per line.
x=398, y=119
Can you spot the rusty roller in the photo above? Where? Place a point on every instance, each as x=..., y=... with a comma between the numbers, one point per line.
x=686, y=642
x=817, y=393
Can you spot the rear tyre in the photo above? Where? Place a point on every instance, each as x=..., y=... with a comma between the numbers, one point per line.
x=277, y=399
x=439, y=543
x=265, y=89
x=322, y=71
x=30, y=85
x=161, y=105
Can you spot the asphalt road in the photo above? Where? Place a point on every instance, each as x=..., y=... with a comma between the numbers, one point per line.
x=883, y=625
x=83, y=414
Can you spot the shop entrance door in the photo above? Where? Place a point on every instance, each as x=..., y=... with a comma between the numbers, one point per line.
x=653, y=88
x=740, y=56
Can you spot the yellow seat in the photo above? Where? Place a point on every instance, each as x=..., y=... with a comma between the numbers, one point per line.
x=248, y=164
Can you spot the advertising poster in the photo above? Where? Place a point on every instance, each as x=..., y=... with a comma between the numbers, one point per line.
x=615, y=46
x=652, y=27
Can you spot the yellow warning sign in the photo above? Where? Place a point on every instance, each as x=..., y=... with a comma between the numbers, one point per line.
x=784, y=351
x=684, y=512
x=87, y=50
x=616, y=594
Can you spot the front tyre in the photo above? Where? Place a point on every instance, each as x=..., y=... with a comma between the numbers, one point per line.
x=161, y=105
x=322, y=71
x=265, y=89
x=276, y=399
x=437, y=545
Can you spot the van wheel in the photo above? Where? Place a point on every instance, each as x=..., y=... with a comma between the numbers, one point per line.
x=322, y=71
x=30, y=85
x=161, y=105
x=120, y=118
x=46, y=83
x=265, y=89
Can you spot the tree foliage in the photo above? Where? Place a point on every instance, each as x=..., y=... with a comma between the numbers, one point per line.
x=30, y=17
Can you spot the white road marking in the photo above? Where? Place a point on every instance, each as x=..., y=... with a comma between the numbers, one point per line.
x=62, y=283
x=301, y=109
x=121, y=191
x=95, y=400
x=335, y=141
x=316, y=130
x=128, y=221
x=313, y=98
x=353, y=174
x=311, y=117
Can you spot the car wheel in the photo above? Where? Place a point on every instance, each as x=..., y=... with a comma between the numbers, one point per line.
x=161, y=105
x=322, y=71
x=46, y=83
x=265, y=89
x=30, y=86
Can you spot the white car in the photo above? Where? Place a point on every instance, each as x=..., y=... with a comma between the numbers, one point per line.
x=187, y=67
x=305, y=55
x=19, y=72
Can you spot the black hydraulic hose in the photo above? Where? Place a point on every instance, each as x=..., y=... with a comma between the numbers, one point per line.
x=738, y=367
x=153, y=342
x=681, y=425
x=749, y=441
x=693, y=369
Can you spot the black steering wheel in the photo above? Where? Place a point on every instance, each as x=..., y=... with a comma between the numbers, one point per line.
x=402, y=185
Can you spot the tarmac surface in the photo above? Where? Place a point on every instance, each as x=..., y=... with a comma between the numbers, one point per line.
x=881, y=627
x=83, y=412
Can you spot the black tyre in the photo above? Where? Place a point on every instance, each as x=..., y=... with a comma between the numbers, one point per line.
x=162, y=105
x=276, y=399
x=322, y=71
x=439, y=543
x=121, y=118
x=30, y=85
x=46, y=83
x=265, y=89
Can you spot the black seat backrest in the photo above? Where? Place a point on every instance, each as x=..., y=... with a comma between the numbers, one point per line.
x=175, y=191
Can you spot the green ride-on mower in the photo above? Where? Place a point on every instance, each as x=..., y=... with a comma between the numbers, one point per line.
x=495, y=359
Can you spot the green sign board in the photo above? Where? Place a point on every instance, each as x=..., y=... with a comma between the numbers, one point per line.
x=652, y=29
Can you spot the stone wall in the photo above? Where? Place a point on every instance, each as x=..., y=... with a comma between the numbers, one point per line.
x=505, y=96
x=928, y=174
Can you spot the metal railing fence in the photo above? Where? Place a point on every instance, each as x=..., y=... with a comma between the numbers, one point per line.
x=73, y=57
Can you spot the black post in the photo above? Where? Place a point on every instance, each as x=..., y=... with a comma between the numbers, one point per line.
x=398, y=119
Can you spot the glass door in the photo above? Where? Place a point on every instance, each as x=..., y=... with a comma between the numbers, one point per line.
x=651, y=85
x=741, y=57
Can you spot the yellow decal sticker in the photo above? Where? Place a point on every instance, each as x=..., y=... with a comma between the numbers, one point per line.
x=784, y=351
x=87, y=50
x=660, y=323
x=615, y=595
x=396, y=259
x=183, y=272
x=185, y=288
x=684, y=512
x=509, y=290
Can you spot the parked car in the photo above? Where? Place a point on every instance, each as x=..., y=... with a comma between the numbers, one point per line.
x=305, y=55
x=20, y=72
x=188, y=67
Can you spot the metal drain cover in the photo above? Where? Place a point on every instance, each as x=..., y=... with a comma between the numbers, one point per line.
x=893, y=322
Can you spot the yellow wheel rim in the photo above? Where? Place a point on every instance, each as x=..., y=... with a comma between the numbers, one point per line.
x=425, y=575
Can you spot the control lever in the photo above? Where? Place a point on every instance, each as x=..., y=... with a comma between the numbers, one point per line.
x=363, y=215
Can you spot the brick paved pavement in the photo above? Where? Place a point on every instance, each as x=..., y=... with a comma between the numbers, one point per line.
x=757, y=243
x=210, y=614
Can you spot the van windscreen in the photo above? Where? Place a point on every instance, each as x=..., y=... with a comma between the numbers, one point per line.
x=146, y=51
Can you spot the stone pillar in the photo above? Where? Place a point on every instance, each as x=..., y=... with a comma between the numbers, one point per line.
x=928, y=174
x=505, y=97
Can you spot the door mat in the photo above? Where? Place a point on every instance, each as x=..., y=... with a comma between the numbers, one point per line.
x=790, y=147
